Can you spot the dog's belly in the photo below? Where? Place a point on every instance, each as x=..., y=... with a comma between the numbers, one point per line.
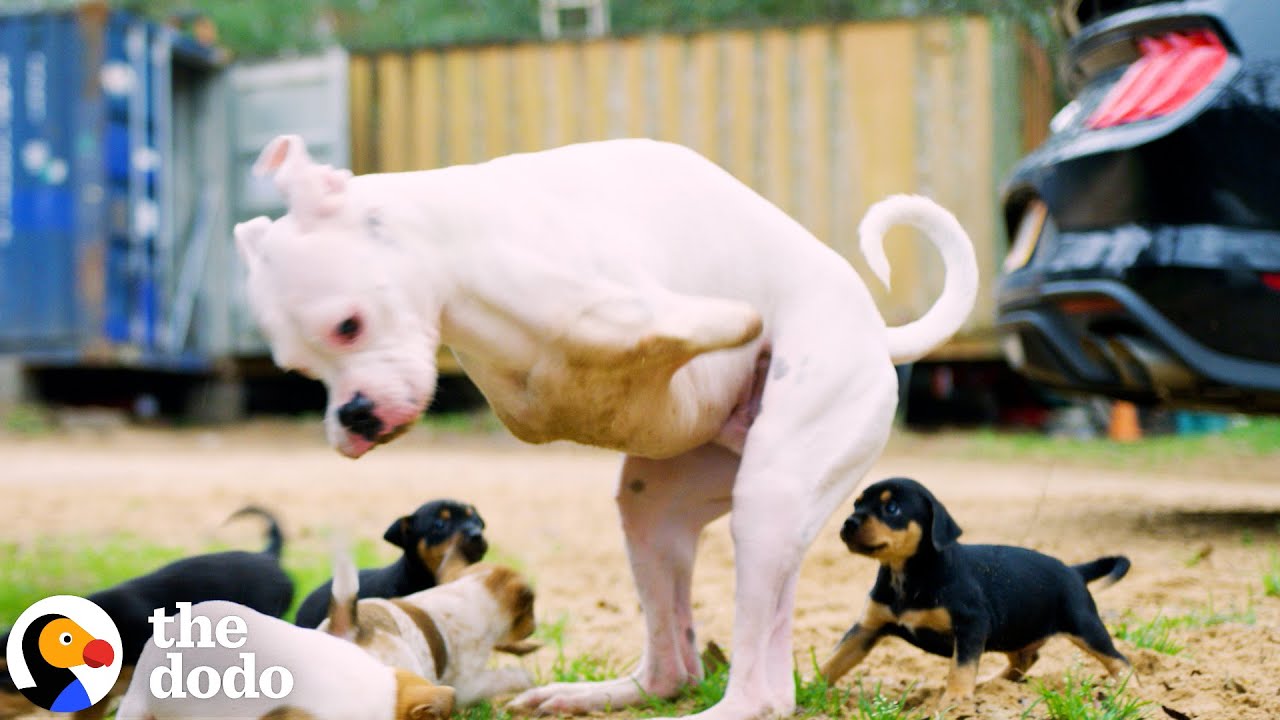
x=620, y=407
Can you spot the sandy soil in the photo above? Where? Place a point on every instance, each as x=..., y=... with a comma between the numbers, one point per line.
x=550, y=509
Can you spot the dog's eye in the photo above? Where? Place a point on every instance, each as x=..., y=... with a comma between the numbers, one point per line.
x=65, y=638
x=891, y=509
x=348, y=330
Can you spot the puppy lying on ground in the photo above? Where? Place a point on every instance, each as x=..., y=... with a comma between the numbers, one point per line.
x=332, y=680
x=445, y=634
x=961, y=600
x=424, y=537
x=253, y=579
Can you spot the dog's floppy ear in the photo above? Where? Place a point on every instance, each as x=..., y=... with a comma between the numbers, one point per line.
x=519, y=649
x=398, y=532
x=945, y=530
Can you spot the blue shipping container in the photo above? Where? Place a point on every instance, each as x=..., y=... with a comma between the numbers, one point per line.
x=85, y=107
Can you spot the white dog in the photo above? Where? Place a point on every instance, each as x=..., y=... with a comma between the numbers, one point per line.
x=445, y=634
x=627, y=294
x=331, y=679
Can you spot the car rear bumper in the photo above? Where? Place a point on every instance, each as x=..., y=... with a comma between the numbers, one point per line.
x=1100, y=336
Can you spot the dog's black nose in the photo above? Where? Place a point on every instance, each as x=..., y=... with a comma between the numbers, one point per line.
x=357, y=416
x=851, y=525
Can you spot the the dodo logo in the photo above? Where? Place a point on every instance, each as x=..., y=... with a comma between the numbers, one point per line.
x=64, y=653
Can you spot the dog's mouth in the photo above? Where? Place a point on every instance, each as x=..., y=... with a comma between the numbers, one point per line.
x=353, y=445
x=392, y=434
x=864, y=549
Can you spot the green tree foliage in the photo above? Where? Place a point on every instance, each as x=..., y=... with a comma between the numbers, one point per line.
x=268, y=27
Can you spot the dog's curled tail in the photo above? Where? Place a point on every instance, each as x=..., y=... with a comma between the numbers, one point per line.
x=910, y=342
x=343, y=593
x=1109, y=570
x=275, y=538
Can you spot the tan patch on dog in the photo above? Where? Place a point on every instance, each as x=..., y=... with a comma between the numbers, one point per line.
x=515, y=598
x=417, y=699
x=961, y=682
x=894, y=547
x=936, y=619
x=288, y=713
x=430, y=631
x=1021, y=661
x=885, y=496
x=445, y=514
x=1116, y=667
x=470, y=511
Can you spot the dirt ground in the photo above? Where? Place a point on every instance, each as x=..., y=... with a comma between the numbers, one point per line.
x=550, y=509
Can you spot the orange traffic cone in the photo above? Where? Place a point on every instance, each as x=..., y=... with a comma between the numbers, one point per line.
x=1124, y=425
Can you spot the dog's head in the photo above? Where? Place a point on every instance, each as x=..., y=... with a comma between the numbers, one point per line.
x=330, y=288
x=894, y=519
x=514, y=598
x=444, y=535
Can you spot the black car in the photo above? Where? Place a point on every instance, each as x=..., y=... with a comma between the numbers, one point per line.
x=1145, y=232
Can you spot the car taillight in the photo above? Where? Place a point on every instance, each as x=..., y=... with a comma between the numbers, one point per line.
x=1271, y=280
x=1173, y=69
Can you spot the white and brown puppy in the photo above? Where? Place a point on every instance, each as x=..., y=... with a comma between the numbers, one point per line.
x=331, y=680
x=446, y=633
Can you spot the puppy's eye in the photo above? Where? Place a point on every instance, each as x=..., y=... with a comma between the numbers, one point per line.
x=891, y=509
x=349, y=329
x=65, y=638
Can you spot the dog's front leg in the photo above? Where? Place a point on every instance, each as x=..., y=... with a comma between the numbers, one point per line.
x=856, y=643
x=489, y=683
x=664, y=505
x=962, y=680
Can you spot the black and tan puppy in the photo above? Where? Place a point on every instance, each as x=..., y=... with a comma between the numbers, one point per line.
x=427, y=538
x=253, y=579
x=958, y=600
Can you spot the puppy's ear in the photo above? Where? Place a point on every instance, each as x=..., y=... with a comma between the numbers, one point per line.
x=945, y=530
x=519, y=649
x=248, y=236
x=398, y=532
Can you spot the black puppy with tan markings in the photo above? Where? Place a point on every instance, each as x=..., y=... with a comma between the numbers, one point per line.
x=958, y=600
x=440, y=534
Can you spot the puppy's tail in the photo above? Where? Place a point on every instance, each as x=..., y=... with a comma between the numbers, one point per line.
x=910, y=342
x=1109, y=570
x=275, y=538
x=343, y=594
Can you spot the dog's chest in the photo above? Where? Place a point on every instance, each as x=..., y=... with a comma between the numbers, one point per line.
x=619, y=406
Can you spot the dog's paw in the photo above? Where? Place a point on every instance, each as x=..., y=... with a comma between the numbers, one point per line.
x=578, y=698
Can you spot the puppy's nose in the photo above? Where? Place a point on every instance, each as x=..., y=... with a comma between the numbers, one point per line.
x=850, y=527
x=357, y=416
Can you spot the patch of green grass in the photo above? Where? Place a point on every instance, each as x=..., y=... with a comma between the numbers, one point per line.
x=1271, y=577
x=1081, y=697
x=815, y=696
x=24, y=419
x=873, y=704
x=1253, y=437
x=80, y=566
x=582, y=668
x=483, y=710
x=71, y=566
x=1157, y=633
x=1153, y=634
